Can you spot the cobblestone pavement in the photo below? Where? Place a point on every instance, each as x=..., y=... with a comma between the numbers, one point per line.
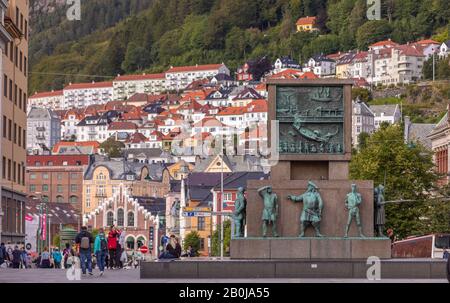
x=132, y=276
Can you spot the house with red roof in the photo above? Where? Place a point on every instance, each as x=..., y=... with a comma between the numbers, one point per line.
x=52, y=100
x=210, y=125
x=118, y=129
x=232, y=116
x=307, y=24
x=69, y=124
x=178, y=78
x=76, y=148
x=382, y=44
x=244, y=97
x=78, y=95
x=136, y=140
x=125, y=86
x=428, y=47
x=256, y=112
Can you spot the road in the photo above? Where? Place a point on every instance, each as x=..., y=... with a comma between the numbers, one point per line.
x=132, y=276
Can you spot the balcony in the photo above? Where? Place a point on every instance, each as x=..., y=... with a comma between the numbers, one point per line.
x=40, y=129
x=40, y=137
x=100, y=195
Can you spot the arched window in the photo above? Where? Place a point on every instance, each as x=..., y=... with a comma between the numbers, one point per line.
x=110, y=218
x=130, y=242
x=130, y=218
x=120, y=217
x=59, y=199
x=44, y=198
x=73, y=199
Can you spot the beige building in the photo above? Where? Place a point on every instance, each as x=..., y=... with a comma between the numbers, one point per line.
x=104, y=178
x=14, y=69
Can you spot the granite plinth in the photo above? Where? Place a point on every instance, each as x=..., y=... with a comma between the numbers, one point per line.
x=310, y=248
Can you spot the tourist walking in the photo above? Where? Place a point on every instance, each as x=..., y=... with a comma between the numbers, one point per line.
x=68, y=252
x=101, y=250
x=120, y=250
x=3, y=254
x=57, y=257
x=23, y=258
x=84, y=240
x=112, y=247
x=45, y=259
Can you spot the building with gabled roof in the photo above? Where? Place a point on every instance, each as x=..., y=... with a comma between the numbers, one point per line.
x=390, y=113
x=76, y=148
x=307, y=24
x=363, y=120
x=44, y=130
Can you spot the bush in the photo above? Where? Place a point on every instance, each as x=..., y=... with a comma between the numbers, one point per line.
x=192, y=239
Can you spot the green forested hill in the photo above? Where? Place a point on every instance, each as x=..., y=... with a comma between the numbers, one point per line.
x=127, y=36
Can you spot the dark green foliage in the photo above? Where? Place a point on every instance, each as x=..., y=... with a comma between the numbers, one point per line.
x=226, y=239
x=192, y=239
x=113, y=148
x=150, y=35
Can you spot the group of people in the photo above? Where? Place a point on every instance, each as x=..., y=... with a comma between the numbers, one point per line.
x=15, y=258
x=109, y=251
x=173, y=250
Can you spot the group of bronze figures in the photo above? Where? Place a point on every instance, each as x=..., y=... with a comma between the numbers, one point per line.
x=312, y=210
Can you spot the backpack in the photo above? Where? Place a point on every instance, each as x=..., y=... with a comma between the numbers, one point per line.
x=84, y=244
x=57, y=256
x=1, y=253
x=103, y=244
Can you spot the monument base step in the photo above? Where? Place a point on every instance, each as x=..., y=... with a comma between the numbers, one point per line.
x=299, y=269
x=310, y=248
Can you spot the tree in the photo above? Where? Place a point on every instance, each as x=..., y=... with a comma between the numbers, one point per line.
x=362, y=93
x=216, y=239
x=136, y=58
x=192, y=239
x=362, y=140
x=371, y=32
x=407, y=172
x=442, y=68
x=113, y=148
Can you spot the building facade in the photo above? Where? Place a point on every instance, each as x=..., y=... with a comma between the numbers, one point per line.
x=79, y=95
x=14, y=70
x=363, y=120
x=57, y=178
x=125, y=86
x=177, y=78
x=52, y=100
x=43, y=129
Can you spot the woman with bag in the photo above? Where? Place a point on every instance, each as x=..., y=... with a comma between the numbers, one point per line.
x=45, y=259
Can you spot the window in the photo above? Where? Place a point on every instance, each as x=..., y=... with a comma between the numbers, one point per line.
x=59, y=176
x=23, y=174
x=45, y=176
x=9, y=129
x=120, y=217
x=15, y=134
x=227, y=196
x=10, y=89
x=25, y=65
x=5, y=85
x=19, y=168
x=73, y=199
x=14, y=171
x=73, y=187
x=32, y=188
x=32, y=176
x=44, y=187
x=110, y=218
x=73, y=175
x=26, y=29
x=4, y=126
x=4, y=168
x=59, y=188
x=20, y=136
x=88, y=202
x=201, y=223
x=9, y=169
x=60, y=199
x=88, y=190
x=130, y=219
x=16, y=56
x=24, y=141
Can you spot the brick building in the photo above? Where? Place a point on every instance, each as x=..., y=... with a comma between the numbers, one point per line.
x=57, y=178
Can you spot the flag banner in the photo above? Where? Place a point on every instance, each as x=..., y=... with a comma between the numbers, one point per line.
x=44, y=227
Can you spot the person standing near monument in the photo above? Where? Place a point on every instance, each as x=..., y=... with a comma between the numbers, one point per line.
x=352, y=202
x=312, y=209
x=380, y=215
x=270, y=211
x=240, y=206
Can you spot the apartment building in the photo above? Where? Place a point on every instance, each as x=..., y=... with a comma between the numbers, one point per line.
x=78, y=95
x=53, y=100
x=14, y=69
x=125, y=86
x=363, y=120
x=43, y=130
x=177, y=78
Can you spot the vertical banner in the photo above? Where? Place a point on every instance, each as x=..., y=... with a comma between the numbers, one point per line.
x=44, y=227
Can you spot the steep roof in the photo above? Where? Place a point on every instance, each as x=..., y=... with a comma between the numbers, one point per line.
x=136, y=138
x=41, y=113
x=257, y=106
x=387, y=109
x=119, y=125
x=306, y=20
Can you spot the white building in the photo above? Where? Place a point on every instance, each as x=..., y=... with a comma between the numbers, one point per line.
x=127, y=85
x=444, y=49
x=284, y=63
x=69, y=124
x=321, y=66
x=51, y=100
x=390, y=113
x=256, y=112
x=177, y=78
x=43, y=129
x=233, y=116
x=84, y=94
x=93, y=128
x=363, y=120
x=429, y=47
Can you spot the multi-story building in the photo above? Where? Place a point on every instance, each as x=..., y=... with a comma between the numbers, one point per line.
x=79, y=95
x=440, y=142
x=14, y=32
x=360, y=67
x=57, y=178
x=284, y=63
x=95, y=127
x=52, y=100
x=125, y=86
x=321, y=66
x=104, y=177
x=69, y=124
x=363, y=120
x=417, y=132
x=390, y=113
x=43, y=130
x=428, y=46
x=343, y=64
x=306, y=24
x=177, y=78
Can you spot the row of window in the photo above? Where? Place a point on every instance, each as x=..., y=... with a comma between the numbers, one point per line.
x=14, y=93
x=13, y=171
x=59, y=176
x=13, y=132
x=120, y=218
x=59, y=188
x=16, y=56
x=60, y=199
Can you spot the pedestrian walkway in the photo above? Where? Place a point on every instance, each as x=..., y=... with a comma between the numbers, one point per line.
x=132, y=276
